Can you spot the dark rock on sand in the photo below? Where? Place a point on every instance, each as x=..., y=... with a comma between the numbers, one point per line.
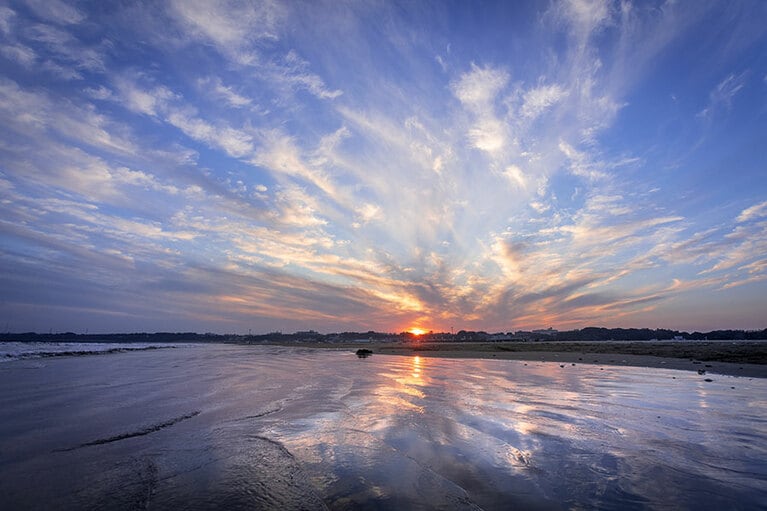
x=364, y=353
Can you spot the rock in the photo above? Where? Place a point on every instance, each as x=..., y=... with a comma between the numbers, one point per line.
x=701, y=371
x=708, y=380
x=364, y=353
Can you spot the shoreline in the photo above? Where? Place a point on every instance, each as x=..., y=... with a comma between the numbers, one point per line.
x=738, y=358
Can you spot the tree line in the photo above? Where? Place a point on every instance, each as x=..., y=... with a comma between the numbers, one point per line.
x=583, y=334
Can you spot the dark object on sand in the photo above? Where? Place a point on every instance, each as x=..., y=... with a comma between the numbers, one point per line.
x=701, y=371
x=364, y=353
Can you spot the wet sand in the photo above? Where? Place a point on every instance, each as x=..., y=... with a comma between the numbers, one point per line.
x=214, y=426
x=733, y=358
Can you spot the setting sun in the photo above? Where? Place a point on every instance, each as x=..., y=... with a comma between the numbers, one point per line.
x=417, y=331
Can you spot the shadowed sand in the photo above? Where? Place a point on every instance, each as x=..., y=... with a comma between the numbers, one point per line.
x=734, y=358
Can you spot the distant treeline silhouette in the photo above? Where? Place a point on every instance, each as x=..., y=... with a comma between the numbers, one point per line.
x=647, y=334
x=584, y=334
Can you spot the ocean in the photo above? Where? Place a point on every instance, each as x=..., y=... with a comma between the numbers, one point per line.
x=198, y=426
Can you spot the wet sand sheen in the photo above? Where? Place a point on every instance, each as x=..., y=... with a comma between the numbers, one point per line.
x=257, y=427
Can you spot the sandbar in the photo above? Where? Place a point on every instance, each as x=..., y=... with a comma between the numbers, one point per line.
x=733, y=358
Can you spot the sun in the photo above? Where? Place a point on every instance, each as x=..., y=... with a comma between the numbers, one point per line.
x=417, y=331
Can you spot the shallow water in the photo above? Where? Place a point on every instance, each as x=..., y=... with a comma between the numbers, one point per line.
x=11, y=351
x=238, y=427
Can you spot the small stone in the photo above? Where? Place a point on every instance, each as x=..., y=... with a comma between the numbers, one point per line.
x=708, y=380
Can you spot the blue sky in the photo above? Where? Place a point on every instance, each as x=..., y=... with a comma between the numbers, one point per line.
x=233, y=166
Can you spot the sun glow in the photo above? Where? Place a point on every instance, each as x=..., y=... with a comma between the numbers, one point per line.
x=417, y=331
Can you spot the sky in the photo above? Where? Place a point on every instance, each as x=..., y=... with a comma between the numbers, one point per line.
x=235, y=167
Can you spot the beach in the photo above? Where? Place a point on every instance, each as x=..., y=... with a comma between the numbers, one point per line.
x=214, y=426
x=734, y=358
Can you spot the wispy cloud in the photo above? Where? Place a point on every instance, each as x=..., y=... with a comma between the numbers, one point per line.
x=540, y=99
x=753, y=212
x=228, y=94
x=478, y=91
x=233, y=26
x=720, y=98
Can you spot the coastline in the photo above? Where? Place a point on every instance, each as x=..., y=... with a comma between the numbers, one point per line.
x=732, y=358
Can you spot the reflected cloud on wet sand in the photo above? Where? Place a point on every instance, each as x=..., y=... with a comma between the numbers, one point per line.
x=499, y=433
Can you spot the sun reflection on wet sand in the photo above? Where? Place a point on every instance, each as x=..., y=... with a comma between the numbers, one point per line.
x=416, y=367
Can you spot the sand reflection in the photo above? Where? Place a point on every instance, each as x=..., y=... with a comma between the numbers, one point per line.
x=504, y=434
x=377, y=433
x=416, y=366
